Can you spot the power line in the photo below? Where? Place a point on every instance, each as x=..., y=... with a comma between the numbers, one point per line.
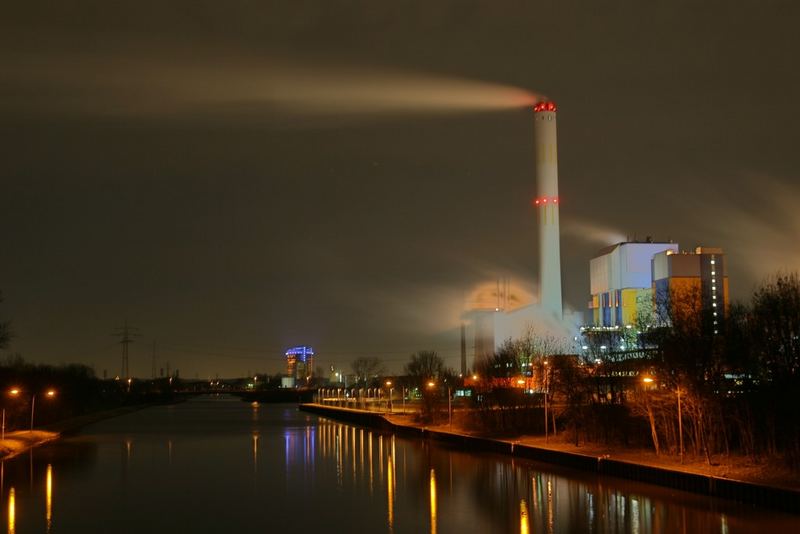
x=126, y=333
x=153, y=370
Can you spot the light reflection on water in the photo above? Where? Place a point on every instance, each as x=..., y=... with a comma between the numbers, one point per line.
x=221, y=465
x=12, y=511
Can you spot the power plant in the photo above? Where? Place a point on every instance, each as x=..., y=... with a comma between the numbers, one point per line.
x=628, y=279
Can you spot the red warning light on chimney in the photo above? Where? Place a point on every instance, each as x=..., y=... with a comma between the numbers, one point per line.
x=545, y=200
x=548, y=105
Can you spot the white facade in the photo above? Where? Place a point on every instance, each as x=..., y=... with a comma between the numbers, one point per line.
x=625, y=265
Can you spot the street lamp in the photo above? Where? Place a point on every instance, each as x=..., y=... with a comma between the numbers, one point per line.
x=15, y=392
x=389, y=402
x=449, y=407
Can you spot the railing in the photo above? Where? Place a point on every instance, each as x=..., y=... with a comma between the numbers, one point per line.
x=367, y=399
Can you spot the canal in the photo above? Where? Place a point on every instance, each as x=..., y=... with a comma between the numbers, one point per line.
x=216, y=464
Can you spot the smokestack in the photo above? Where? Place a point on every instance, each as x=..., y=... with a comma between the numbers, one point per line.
x=547, y=203
x=463, y=350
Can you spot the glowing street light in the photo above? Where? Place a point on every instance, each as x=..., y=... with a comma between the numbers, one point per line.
x=647, y=380
x=391, y=389
x=15, y=392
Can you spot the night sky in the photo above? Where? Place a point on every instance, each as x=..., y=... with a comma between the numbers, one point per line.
x=237, y=177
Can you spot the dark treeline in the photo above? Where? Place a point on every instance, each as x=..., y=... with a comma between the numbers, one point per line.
x=76, y=391
x=736, y=381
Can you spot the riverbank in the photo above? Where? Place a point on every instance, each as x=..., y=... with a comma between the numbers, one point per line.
x=632, y=465
x=20, y=441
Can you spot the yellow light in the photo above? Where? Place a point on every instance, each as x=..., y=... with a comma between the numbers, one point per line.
x=431, y=384
x=14, y=392
x=51, y=393
x=647, y=380
x=524, y=526
x=388, y=382
x=12, y=512
x=474, y=377
x=433, y=502
x=390, y=492
x=520, y=381
x=49, y=497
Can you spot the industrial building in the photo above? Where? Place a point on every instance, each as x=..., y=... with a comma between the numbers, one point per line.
x=695, y=281
x=621, y=281
x=633, y=282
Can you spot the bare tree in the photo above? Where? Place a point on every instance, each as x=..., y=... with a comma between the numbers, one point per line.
x=367, y=369
x=425, y=365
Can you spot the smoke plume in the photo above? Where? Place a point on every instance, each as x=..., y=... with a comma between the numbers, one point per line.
x=157, y=86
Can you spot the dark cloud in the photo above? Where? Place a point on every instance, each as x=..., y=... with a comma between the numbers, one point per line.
x=155, y=165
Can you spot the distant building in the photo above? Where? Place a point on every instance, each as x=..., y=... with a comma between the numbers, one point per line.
x=621, y=282
x=697, y=280
x=300, y=364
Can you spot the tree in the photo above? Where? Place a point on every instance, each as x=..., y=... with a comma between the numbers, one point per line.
x=425, y=365
x=5, y=330
x=367, y=369
x=776, y=328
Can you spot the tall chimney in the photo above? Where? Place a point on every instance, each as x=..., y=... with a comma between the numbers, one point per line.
x=547, y=203
x=463, y=350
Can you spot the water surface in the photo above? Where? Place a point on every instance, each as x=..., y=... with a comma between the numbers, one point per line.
x=216, y=464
